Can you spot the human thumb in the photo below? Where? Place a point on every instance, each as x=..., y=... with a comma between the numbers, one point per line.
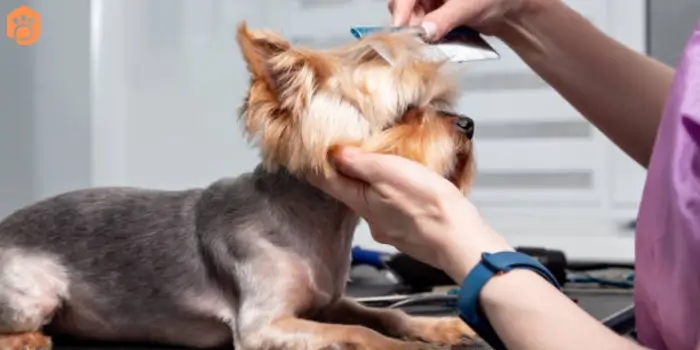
x=451, y=14
x=356, y=163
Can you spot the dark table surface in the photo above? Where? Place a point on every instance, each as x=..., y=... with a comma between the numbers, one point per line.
x=599, y=302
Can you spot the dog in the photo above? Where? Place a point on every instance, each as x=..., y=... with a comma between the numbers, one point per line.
x=258, y=261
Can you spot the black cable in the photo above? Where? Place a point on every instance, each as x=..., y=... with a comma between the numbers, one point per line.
x=622, y=322
x=589, y=266
x=424, y=299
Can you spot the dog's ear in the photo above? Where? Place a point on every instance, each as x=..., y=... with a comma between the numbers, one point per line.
x=283, y=81
x=287, y=72
x=260, y=49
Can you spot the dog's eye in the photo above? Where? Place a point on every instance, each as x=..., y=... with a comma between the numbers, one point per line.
x=447, y=113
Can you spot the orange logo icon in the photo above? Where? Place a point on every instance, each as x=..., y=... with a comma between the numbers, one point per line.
x=23, y=25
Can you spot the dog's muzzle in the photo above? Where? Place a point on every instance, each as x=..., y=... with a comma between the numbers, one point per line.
x=465, y=125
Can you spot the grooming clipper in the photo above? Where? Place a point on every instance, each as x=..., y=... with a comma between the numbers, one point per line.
x=462, y=44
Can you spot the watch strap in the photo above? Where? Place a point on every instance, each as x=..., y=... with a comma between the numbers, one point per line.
x=491, y=264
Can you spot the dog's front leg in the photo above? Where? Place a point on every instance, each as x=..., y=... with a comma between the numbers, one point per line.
x=28, y=340
x=292, y=333
x=396, y=323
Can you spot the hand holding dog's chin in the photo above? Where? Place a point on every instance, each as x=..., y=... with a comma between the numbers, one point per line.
x=413, y=209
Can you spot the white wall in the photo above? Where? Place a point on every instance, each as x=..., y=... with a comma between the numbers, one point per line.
x=62, y=97
x=45, y=106
x=145, y=93
x=168, y=82
x=16, y=111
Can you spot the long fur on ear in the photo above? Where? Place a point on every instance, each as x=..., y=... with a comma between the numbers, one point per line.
x=259, y=48
x=283, y=80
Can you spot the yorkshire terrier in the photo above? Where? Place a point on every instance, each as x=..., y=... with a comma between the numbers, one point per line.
x=257, y=262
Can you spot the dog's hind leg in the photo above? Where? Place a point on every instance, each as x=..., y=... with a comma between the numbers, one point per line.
x=31, y=289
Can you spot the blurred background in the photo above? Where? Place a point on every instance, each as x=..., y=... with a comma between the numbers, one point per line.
x=145, y=93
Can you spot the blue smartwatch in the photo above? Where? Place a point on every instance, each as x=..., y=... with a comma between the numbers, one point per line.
x=492, y=263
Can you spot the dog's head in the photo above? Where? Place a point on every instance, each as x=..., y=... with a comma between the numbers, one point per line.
x=303, y=104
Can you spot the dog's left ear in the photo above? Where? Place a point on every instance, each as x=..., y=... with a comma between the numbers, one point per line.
x=259, y=49
x=271, y=59
x=283, y=79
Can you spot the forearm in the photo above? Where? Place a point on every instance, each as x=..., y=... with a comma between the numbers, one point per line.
x=524, y=309
x=529, y=313
x=618, y=90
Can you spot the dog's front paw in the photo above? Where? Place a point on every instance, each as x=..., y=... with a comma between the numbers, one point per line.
x=391, y=344
x=448, y=331
x=385, y=344
x=25, y=341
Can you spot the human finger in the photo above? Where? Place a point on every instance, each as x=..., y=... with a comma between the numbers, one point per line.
x=385, y=173
x=366, y=167
x=450, y=15
x=416, y=17
x=401, y=11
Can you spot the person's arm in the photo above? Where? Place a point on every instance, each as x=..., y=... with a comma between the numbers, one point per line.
x=618, y=90
x=529, y=313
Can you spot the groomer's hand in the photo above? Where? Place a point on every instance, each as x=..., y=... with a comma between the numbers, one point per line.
x=412, y=208
x=440, y=16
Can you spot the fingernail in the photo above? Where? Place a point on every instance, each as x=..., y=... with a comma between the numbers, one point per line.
x=429, y=29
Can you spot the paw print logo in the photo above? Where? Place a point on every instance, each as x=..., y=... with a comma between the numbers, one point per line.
x=23, y=25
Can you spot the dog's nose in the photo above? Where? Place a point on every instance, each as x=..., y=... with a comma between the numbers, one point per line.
x=465, y=125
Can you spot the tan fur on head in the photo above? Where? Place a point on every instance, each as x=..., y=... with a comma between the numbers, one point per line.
x=304, y=103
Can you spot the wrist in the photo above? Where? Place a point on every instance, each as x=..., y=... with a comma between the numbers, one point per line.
x=497, y=288
x=463, y=250
x=460, y=262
